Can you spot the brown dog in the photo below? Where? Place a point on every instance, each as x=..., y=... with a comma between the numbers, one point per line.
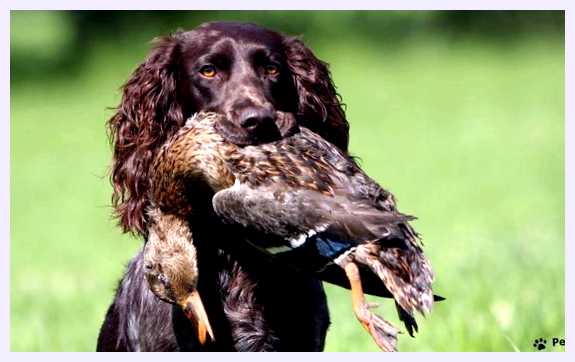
x=249, y=74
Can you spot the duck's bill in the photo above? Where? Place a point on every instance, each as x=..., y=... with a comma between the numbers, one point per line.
x=195, y=311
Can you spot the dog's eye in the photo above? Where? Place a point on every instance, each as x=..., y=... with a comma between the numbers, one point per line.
x=272, y=69
x=208, y=71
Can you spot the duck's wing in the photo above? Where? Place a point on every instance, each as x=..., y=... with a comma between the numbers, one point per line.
x=309, y=222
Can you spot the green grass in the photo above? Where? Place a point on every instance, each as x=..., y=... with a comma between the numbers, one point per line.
x=468, y=135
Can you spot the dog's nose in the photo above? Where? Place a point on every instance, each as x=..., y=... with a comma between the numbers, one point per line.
x=252, y=118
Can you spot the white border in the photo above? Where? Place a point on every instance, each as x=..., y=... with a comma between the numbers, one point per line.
x=291, y=5
x=4, y=184
x=288, y=5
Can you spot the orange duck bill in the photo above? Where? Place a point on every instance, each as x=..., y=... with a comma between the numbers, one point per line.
x=195, y=311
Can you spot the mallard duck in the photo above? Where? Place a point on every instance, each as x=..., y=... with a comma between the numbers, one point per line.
x=303, y=201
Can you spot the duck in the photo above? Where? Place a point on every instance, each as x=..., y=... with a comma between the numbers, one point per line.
x=301, y=201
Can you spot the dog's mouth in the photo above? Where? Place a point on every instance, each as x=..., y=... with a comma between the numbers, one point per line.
x=283, y=126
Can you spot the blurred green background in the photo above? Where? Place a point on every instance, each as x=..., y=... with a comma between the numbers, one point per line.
x=460, y=114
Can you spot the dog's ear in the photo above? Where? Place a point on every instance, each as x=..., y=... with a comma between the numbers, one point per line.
x=150, y=110
x=319, y=105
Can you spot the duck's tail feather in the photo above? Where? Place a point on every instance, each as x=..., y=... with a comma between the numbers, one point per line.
x=405, y=272
x=409, y=277
x=438, y=298
x=407, y=319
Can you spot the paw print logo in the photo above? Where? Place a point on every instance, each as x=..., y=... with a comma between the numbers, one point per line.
x=540, y=344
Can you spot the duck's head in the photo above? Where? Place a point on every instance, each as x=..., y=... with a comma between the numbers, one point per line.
x=170, y=267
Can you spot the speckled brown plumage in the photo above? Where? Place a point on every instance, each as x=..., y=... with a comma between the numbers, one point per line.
x=305, y=203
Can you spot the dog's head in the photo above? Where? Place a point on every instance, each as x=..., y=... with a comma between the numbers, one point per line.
x=263, y=82
x=240, y=71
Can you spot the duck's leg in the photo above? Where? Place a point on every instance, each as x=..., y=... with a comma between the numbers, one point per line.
x=383, y=333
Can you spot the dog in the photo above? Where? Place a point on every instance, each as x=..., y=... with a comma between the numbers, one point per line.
x=249, y=74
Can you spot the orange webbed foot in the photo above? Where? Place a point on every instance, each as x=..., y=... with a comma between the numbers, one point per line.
x=383, y=333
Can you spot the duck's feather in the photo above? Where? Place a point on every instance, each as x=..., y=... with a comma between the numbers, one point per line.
x=294, y=218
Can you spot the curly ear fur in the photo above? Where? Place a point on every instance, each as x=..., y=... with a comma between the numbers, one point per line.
x=149, y=112
x=319, y=105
